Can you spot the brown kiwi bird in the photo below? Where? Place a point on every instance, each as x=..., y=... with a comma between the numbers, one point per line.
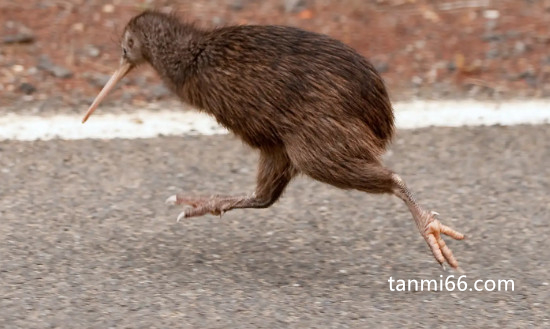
x=308, y=103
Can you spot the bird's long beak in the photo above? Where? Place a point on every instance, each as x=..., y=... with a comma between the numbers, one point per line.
x=124, y=68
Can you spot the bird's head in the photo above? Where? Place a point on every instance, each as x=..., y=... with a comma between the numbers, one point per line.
x=131, y=56
x=131, y=48
x=135, y=44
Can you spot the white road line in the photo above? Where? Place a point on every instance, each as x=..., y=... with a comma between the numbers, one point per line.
x=150, y=123
x=421, y=114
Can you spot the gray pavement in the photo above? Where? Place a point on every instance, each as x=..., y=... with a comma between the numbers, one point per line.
x=87, y=242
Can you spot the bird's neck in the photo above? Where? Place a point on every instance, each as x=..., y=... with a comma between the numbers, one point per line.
x=173, y=53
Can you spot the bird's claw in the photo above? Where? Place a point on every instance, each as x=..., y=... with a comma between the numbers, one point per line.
x=181, y=216
x=196, y=206
x=432, y=233
x=172, y=201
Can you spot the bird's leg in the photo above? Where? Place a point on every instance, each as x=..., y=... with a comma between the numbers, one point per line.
x=215, y=204
x=430, y=228
x=274, y=173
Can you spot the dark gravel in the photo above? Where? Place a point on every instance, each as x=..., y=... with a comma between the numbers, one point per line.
x=88, y=243
x=424, y=49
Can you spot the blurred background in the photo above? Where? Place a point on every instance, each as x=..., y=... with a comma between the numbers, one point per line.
x=57, y=54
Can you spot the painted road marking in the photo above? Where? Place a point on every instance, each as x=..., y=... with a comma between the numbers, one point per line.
x=150, y=123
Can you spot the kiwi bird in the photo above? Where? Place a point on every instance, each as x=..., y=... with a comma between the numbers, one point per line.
x=309, y=103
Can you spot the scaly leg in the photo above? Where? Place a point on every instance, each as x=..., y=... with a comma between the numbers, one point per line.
x=430, y=228
x=274, y=173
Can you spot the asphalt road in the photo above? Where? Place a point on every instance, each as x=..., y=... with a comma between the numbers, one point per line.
x=87, y=242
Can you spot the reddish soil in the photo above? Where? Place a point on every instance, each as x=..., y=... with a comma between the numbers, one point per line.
x=427, y=49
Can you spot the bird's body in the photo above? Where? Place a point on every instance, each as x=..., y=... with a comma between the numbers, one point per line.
x=268, y=83
x=309, y=103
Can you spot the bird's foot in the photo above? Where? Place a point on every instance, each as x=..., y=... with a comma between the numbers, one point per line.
x=199, y=206
x=431, y=229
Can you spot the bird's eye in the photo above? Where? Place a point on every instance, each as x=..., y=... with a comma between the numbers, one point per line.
x=124, y=52
x=130, y=42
